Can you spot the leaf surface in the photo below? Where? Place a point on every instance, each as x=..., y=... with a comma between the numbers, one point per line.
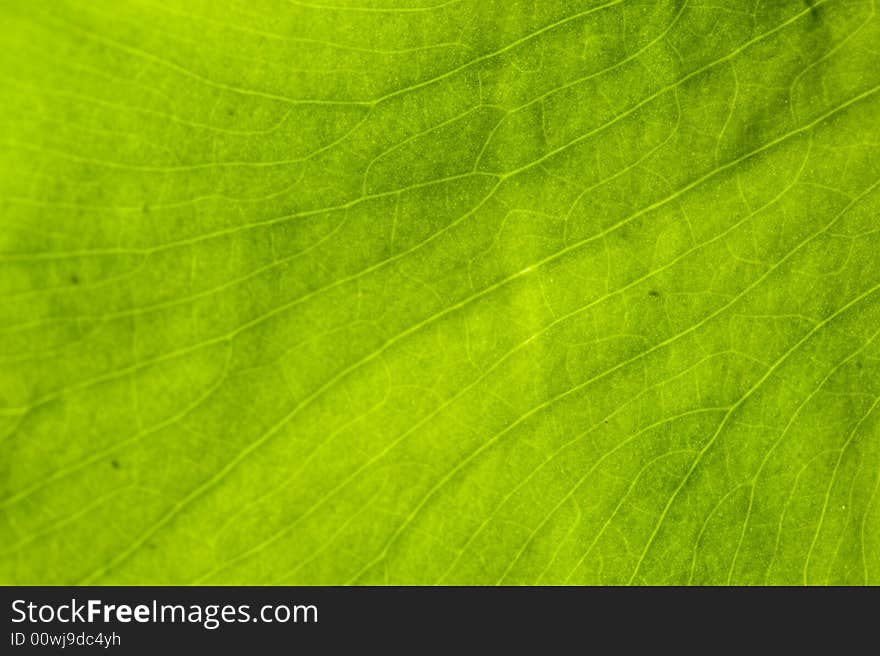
x=462, y=292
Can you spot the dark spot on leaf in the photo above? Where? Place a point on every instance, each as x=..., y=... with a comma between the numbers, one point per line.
x=654, y=293
x=114, y=464
x=859, y=364
x=230, y=111
x=74, y=278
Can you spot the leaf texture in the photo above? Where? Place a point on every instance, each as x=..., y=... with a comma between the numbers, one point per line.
x=462, y=292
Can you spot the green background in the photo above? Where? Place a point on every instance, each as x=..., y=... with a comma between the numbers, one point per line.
x=410, y=291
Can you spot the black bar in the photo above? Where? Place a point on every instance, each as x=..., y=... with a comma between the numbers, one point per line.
x=422, y=620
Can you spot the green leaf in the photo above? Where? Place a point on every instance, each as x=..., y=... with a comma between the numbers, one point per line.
x=464, y=292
